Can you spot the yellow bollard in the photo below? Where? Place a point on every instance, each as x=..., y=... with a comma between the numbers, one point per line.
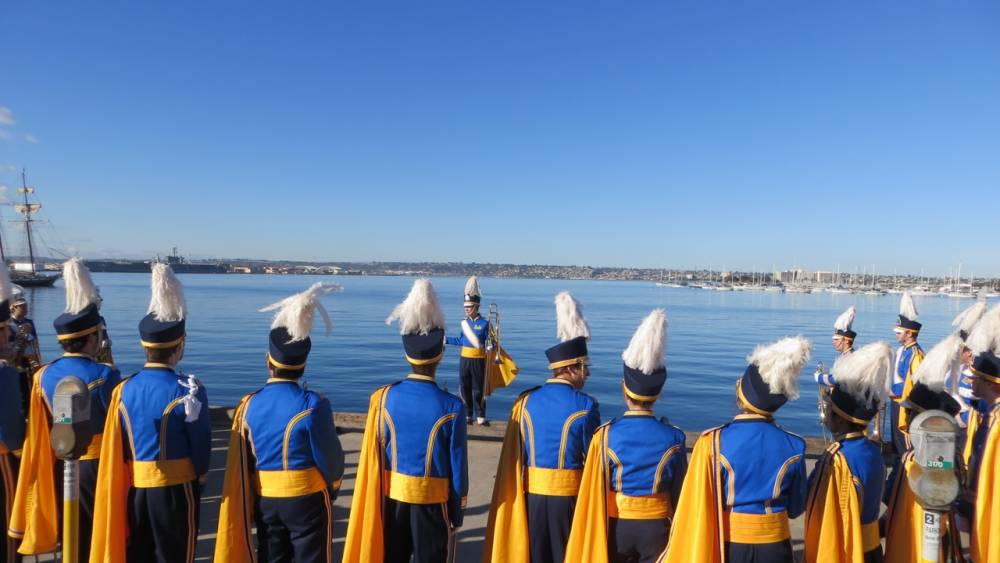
x=71, y=511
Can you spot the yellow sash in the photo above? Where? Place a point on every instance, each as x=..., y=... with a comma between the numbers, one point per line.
x=507, y=529
x=234, y=540
x=114, y=479
x=34, y=515
x=986, y=523
x=696, y=535
x=364, y=541
x=833, y=514
x=588, y=538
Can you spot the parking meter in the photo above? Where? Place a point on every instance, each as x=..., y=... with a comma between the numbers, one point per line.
x=70, y=435
x=933, y=478
x=72, y=430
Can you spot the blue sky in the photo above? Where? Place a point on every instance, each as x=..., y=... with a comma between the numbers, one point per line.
x=683, y=134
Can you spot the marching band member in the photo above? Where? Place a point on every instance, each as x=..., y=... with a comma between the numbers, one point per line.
x=635, y=465
x=35, y=515
x=412, y=479
x=284, y=440
x=843, y=343
x=845, y=488
x=472, y=365
x=26, y=357
x=908, y=358
x=904, y=517
x=11, y=421
x=746, y=479
x=541, y=461
x=157, y=441
x=962, y=381
x=984, y=465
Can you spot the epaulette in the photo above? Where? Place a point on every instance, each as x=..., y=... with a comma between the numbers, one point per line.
x=529, y=391
x=710, y=430
x=608, y=423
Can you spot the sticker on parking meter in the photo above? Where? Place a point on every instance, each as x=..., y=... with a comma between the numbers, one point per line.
x=937, y=451
x=62, y=409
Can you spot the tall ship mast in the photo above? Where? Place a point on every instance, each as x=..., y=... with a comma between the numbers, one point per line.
x=27, y=275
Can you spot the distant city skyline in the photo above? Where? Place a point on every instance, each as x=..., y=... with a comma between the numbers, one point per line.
x=654, y=135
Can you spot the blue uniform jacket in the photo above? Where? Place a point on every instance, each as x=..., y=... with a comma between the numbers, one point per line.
x=425, y=445
x=904, y=358
x=100, y=379
x=480, y=327
x=764, y=467
x=11, y=421
x=864, y=459
x=557, y=424
x=646, y=456
x=291, y=429
x=153, y=418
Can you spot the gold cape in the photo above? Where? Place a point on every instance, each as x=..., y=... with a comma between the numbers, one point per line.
x=904, y=413
x=904, y=522
x=114, y=479
x=34, y=515
x=697, y=521
x=588, y=537
x=975, y=419
x=364, y=541
x=506, y=538
x=986, y=523
x=234, y=540
x=833, y=513
x=501, y=370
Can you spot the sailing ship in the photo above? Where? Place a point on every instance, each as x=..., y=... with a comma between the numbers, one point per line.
x=26, y=274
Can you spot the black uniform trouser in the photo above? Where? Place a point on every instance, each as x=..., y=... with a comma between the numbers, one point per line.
x=549, y=521
x=874, y=556
x=636, y=541
x=898, y=439
x=472, y=376
x=88, y=485
x=163, y=523
x=296, y=529
x=778, y=552
x=8, y=475
x=418, y=530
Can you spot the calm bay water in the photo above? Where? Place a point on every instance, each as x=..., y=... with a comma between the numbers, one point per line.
x=710, y=335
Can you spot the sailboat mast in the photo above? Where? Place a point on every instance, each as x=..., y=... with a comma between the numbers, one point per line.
x=27, y=221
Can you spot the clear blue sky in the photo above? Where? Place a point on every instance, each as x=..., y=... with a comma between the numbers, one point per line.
x=654, y=134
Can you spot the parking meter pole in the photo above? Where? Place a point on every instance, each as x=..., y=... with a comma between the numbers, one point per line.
x=931, y=545
x=71, y=511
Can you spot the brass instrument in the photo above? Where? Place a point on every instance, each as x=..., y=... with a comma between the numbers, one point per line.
x=104, y=354
x=493, y=336
x=500, y=367
x=27, y=355
x=823, y=404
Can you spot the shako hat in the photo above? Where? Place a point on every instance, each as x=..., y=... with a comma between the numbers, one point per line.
x=572, y=331
x=907, y=315
x=771, y=378
x=928, y=390
x=861, y=378
x=984, y=342
x=6, y=294
x=421, y=324
x=842, y=326
x=83, y=300
x=645, y=358
x=472, y=293
x=163, y=325
x=289, y=342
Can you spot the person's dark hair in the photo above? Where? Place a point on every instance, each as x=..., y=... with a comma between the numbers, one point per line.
x=159, y=355
x=288, y=373
x=428, y=369
x=840, y=425
x=75, y=345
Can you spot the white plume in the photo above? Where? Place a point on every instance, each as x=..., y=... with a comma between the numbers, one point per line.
x=986, y=334
x=944, y=358
x=166, y=302
x=846, y=319
x=6, y=286
x=570, y=323
x=472, y=286
x=647, y=350
x=420, y=312
x=80, y=289
x=779, y=364
x=906, y=307
x=296, y=313
x=864, y=373
x=969, y=317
